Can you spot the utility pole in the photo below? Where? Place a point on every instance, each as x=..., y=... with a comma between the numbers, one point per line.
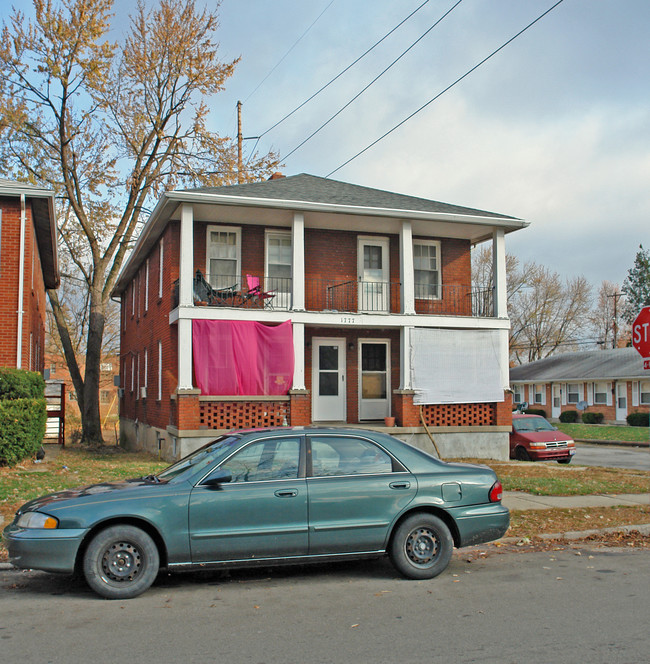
x=239, y=145
x=616, y=296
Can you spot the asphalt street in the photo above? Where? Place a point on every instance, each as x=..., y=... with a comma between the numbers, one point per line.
x=508, y=608
x=636, y=458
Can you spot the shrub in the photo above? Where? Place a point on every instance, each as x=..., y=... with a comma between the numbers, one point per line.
x=638, y=419
x=593, y=418
x=23, y=414
x=20, y=384
x=569, y=416
x=535, y=411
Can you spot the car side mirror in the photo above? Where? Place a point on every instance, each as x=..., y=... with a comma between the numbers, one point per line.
x=217, y=478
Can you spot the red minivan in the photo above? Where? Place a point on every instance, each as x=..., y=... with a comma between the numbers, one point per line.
x=533, y=438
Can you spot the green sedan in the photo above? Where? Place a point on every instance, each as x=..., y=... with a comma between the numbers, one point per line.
x=264, y=497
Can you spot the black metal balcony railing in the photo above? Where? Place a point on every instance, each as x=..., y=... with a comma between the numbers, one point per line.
x=344, y=295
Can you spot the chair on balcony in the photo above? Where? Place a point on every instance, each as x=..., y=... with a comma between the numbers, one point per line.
x=256, y=294
x=205, y=292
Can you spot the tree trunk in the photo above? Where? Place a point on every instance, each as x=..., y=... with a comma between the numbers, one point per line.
x=86, y=387
x=91, y=425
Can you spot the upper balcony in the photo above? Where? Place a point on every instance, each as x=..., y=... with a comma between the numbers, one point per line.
x=251, y=291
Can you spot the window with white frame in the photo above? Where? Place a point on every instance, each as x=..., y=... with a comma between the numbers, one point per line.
x=160, y=367
x=573, y=393
x=279, y=260
x=540, y=393
x=518, y=394
x=426, y=266
x=223, y=256
x=161, y=255
x=600, y=393
x=644, y=392
x=146, y=286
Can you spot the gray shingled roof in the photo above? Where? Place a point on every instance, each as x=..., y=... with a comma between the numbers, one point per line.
x=313, y=189
x=618, y=363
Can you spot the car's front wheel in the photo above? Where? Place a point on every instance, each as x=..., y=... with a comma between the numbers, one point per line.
x=121, y=562
x=521, y=454
x=566, y=460
x=421, y=547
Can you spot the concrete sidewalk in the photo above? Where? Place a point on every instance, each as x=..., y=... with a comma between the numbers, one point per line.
x=517, y=500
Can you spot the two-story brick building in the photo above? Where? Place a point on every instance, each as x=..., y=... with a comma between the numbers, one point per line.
x=28, y=265
x=303, y=299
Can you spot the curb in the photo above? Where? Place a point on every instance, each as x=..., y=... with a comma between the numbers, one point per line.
x=642, y=528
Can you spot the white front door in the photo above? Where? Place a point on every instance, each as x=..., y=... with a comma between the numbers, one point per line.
x=328, y=380
x=621, y=401
x=556, y=407
x=374, y=385
x=374, y=274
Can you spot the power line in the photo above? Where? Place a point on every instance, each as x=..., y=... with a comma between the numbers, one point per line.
x=363, y=55
x=374, y=80
x=289, y=51
x=449, y=87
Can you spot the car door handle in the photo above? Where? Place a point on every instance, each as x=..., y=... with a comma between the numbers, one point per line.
x=400, y=485
x=286, y=493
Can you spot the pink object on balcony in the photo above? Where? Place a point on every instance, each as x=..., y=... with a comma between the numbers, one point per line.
x=255, y=290
x=242, y=357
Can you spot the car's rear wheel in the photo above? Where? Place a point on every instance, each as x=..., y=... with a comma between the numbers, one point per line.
x=121, y=562
x=521, y=454
x=421, y=546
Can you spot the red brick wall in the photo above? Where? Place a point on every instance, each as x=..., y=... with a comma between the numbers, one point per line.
x=142, y=328
x=33, y=305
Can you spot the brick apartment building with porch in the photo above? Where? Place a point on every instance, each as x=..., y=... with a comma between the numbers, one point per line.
x=303, y=299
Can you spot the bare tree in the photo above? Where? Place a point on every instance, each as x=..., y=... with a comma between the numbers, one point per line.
x=609, y=328
x=547, y=314
x=109, y=127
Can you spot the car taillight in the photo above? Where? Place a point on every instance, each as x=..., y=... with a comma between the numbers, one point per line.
x=496, y=492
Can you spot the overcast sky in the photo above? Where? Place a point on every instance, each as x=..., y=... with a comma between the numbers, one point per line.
x=554, y=129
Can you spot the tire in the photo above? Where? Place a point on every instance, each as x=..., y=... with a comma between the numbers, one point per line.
x=421, y=547
x=121, y=562
x=567, y=460
x=521, y=454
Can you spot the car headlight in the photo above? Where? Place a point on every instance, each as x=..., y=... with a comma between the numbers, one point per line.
x=538, y=446
x=37, y=520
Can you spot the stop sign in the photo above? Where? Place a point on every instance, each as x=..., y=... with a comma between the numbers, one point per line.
x=641, y=332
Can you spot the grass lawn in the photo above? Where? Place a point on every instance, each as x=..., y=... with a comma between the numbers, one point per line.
x=554, y=479
x=605, y=432
x=529, y=523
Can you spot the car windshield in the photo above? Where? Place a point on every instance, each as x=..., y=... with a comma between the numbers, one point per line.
x=203, y=456
x=532, y=424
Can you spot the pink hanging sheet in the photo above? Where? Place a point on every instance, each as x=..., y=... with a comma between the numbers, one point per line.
x=242, y=357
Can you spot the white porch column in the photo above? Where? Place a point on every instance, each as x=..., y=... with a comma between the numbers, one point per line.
x=499, y=274
x=186, y=263
x=298, y=267
x=405, y=358
x=298, y=356
x=407, y=275
x=185, y=297
x=184, y=356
